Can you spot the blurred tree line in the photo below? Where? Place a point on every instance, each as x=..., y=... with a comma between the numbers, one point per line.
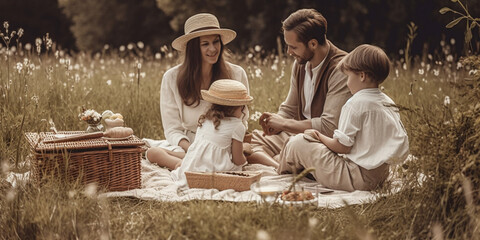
x=90, y=24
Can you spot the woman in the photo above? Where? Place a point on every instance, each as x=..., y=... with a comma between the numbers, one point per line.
x=180, y=100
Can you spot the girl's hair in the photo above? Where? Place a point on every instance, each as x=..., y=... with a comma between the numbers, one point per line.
x=218, y=112
x=369, y=59
x=189, y=79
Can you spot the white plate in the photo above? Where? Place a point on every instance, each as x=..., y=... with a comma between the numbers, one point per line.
x=267, y=189
x=313, y=201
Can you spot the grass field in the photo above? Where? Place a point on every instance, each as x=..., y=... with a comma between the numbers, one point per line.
x=439, y=108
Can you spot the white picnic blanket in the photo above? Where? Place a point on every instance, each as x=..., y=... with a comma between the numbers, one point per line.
x=158, y=185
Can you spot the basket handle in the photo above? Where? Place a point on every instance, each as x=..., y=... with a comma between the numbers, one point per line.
x=76, y=137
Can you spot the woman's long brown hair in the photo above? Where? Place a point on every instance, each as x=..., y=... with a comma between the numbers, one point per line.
x=189, y=79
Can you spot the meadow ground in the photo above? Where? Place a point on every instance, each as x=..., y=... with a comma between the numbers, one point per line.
x=439, y=108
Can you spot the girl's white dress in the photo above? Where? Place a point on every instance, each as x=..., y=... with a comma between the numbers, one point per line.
x=212, y=149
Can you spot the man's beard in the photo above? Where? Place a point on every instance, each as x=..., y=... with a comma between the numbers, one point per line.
x=306, y=57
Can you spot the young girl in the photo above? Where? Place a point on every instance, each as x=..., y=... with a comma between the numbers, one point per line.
x=219, y=136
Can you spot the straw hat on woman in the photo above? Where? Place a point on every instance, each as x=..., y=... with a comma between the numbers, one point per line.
x=181, y=103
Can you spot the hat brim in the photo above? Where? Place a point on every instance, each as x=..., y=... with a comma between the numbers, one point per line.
x=227, y=36
x=223, y=101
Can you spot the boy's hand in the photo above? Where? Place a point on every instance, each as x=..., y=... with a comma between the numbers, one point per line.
x=312, y=135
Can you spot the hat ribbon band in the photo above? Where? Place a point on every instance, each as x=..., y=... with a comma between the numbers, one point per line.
x=203, y=28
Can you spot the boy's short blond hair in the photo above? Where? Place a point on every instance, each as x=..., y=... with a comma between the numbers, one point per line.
x=369, y=59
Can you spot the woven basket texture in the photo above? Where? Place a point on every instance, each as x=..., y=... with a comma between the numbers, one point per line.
x=237, y=180
x=114, y=165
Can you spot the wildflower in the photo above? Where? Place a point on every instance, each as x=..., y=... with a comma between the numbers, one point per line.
x=410, y=93
x=139, y=66
x=5, y=25
x=48, y=41
x=382, y=88
x=420, y=88
x=421, y=71
x=459, y=65
x=90, y=190
x=401, y=51
x=439, y=89
x=274, y=67
x=452, y=41
x=5, y=167
x=143, y=74
x=442, y=43
x=19, y=67
x=473, y=72
x=35, y=99
x=250, y=55
x=404, y=66
x=436, y=72
x=38, y=44
x=20, y=32
x=430, y=56
x=450, y=58
x=258, y=48
x=170, y=55
x=10, y=195
x=131, y=75
x=312, y=222
x=158, y=56
x=263, y=235
x=256, y=116
x=122, y=48
x=28, y=46
x=109, y=82
x=140, y=45
x=164, y=48
x=446, y=101
x=130, y=46
x=258, y=72
x=396, y=72
x=106, y=46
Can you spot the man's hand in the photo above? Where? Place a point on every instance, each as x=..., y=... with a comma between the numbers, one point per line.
x=271, y=123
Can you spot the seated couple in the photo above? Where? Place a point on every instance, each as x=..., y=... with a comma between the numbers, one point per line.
x=349, y=140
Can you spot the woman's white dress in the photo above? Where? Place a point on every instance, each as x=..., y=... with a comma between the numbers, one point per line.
x=212, y=149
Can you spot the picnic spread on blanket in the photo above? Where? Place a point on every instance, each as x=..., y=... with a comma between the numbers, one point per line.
x=114, y=160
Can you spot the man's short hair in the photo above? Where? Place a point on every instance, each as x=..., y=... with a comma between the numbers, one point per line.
x=308, y=24
x=369, y=59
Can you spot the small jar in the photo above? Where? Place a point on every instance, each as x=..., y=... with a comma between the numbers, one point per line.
x=94, y=127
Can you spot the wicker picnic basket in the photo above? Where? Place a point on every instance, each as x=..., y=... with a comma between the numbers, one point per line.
x=113, y=164
x=237, y=180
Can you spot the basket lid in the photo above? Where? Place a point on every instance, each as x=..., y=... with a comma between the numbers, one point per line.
x=36, y=142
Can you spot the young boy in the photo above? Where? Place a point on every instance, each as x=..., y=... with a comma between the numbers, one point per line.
x=370, y=134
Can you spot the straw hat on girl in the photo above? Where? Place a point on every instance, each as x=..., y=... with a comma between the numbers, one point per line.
x=227, y=92
x=202, y=24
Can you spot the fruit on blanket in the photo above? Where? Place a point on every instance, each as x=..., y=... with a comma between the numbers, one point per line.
x=119, y=132
x=296, y=196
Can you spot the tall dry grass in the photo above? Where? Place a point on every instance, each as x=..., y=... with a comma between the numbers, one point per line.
x=439, y=108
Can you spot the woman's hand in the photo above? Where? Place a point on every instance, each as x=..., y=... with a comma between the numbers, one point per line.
x=185, y=144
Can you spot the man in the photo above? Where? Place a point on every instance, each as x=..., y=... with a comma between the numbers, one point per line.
x=317, y=89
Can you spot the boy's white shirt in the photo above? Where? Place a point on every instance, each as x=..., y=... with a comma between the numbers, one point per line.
x=179, y=120
x=373, y=129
